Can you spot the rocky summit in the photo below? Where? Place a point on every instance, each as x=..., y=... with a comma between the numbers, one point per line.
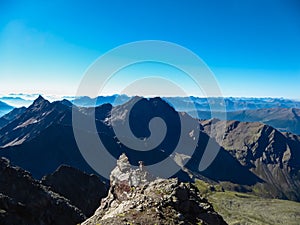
x=136, y=197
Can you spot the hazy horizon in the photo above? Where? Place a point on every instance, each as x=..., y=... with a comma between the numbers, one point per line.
x=33, y=96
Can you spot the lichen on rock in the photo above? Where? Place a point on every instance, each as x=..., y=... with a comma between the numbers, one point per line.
x=136, y=197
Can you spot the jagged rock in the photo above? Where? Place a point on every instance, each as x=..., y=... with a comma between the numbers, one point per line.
x=13, y=212
x=83, y=190
x=24, y=200
x=151, y=201
x=123, y=173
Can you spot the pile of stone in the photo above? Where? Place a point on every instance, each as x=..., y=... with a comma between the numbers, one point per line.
x=136, y=197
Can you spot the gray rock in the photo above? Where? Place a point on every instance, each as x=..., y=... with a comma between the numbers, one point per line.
x=24, y=200
x=151, y=201
x=83, y=190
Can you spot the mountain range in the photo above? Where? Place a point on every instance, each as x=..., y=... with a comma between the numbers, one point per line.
x=282, y=114
x=253, y=157
x=179, y=103
x=16, y=101
x=283, y=119
x=4, y=108
x=228, y=104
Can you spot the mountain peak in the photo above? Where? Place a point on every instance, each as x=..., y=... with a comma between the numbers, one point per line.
x=148, y=103
x=66, y=102
x=40, y=98
x=40, y=102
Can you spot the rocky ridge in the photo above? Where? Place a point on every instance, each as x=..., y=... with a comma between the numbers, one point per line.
x=271, y=155
x=83, y=190
x=136, y=197
x=67, y=196
x=24, y=200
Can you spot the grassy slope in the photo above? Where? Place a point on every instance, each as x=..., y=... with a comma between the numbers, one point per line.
x=239, y=208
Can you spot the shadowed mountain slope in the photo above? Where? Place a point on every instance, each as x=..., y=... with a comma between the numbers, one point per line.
x=252, y=154
x=24, y=200
x=12, y=115
x=268, y=153
x=83, y=190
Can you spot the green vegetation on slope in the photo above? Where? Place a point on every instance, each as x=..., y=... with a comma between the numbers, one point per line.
x=240, y=208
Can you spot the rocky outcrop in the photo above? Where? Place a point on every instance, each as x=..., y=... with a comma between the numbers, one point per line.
x=24, y=200
x=123, y=173
x=135, y=197
x=83, y=190
x=13, y=212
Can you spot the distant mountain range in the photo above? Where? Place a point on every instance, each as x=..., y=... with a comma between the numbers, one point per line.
x=188, y=104
x=179, y=103
x=282, y=114
x=254, y=156
x=4, y=108
x=16, y=101
x=283, y=119
x=92, y=102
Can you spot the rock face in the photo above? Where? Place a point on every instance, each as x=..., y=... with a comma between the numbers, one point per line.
x=83, y=190
x=266, y=152
x=124, y=174
x=24, y=200
x=135, y=197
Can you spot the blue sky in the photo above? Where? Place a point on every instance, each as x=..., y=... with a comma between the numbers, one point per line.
x=252, y=46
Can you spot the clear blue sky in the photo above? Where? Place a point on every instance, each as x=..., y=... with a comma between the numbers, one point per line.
x=252, y=46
